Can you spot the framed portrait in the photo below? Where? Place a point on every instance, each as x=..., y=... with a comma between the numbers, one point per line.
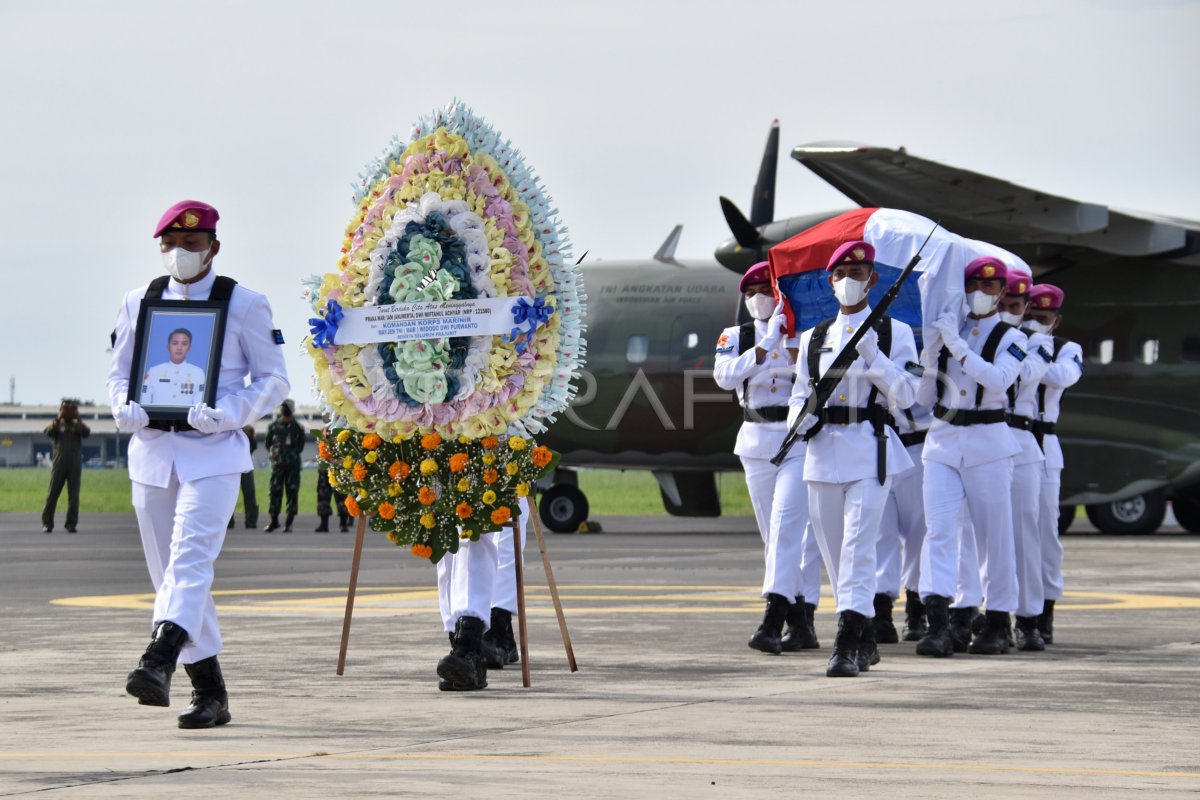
x=176, y=356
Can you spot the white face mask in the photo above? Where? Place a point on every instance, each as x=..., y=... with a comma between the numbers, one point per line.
x=1011, y=319
x=849, y=292
x=183, y=265
x=981, y=303
x=760, y=306
x=1038, y=327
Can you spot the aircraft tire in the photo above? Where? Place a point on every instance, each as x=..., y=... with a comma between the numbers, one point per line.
x=1187, y=512
x=1141, y=514
x=1066, y=515
x=563, y=508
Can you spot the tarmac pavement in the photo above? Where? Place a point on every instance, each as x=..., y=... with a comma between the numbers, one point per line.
x=668, y=700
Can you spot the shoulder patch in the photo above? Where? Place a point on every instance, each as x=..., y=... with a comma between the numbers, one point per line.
x=277, y=335
x=1016, y=352
x=913, y=368
x=1041, y=351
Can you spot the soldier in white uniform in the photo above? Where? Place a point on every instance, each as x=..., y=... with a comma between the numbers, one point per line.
x=852, y=451
x=185, y=476
x=175, y=382
x=1065, y=370
x=902, y=532
x=756, y=361
x=1028, y=466
x=968, y=456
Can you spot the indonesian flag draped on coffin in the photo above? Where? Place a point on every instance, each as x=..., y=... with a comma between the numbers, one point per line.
x=798, y=266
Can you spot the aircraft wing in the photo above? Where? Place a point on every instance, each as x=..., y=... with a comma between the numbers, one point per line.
x=983, y=207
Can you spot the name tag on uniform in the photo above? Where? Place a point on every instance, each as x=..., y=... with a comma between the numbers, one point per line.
x=1016, y=352
x=825, y=350
x=1041, y=351
x=164, y=380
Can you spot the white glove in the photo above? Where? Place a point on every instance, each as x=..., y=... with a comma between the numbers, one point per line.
x=205, y=419
x=776, y=325
x=131, y=417
x=806, y=424
x=868, y=346
x=946, y=326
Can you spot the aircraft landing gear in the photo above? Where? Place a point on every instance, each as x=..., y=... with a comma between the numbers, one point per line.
x=1187, y=512
x=563, y=508
x=1141, y=514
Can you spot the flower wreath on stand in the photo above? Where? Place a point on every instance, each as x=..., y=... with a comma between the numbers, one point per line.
x=432, y=422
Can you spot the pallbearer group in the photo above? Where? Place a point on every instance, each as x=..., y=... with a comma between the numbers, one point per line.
x=934, y=472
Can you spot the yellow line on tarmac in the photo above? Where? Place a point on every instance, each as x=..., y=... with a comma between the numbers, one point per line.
x=696, y=599
x=927, y=766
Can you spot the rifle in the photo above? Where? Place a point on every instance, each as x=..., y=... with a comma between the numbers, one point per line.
x=837, y=370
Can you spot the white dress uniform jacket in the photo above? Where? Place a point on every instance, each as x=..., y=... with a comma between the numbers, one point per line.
x=172, y=384
x=249, y=350
x=770, y=384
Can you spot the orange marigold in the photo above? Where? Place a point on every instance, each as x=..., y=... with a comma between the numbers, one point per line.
x=431, y=441
x=399, y=470
x=360, y=471
x=422, y=550
x=463, y=510
x=426, y=496
x=501, y=515
x=323, y=451
x=352, y=507
x=371, y=441
x=541, y=456
x=387, y=510
x=490, y=442
x=490, y=476
x=458, y=462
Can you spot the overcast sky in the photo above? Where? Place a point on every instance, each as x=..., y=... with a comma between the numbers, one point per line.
x=637, y=115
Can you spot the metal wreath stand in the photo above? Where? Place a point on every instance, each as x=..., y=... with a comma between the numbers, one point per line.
x=519, y=566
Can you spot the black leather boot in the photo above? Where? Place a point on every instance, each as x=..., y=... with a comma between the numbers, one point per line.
x=324, y=526
x=994, y=639
x=150, y=683
x=287, y=525
x=937, y=641
x=768, y=636
x=868, y=651
x=810, y=610
x=1028, y=637
x=914, y=617
x=884, y=628
x=844, y=661
x=493, y=652
x=274, y=526
x=505, y=638
x=210, y=701
x=1046, y=622
x=344, y=523
x=464, y=669
x=799, y=634
x=961, y=621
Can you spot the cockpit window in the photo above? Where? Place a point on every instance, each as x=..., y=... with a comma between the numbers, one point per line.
x=637, y=349
x=1148, y=351
x=1102, y=352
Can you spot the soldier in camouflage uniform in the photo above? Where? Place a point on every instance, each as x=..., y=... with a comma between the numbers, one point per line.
x=66, y=433
x=325, y=493
x=285, y=441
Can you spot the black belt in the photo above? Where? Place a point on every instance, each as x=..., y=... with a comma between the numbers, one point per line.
x=178, y=425
x=916, y=437
x=845, y=415
x=1043, y=428
x=1019, y=422
x=967, y=416
x=765, y=414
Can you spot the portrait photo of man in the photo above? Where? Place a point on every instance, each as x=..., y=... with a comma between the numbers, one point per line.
x=175, y=382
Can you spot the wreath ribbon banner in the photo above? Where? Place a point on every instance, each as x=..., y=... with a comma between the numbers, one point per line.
x=399, y=322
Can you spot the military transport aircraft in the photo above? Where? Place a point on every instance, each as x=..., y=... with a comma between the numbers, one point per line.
x=1130, y=429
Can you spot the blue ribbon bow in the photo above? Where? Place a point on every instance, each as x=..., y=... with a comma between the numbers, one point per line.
x=324, y=327
x=531, y=314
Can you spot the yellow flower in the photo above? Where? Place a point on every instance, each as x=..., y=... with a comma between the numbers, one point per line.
x=428, y=521
x=393, y=489
x=429, y=467
x=489, y=497
x=343, y=435
x=516, y=443
x=463, y=485
x=397, y=439
x=489, y=459
x=333, y=481
x=464, y=440
x=522, y=489
x=511, y=468
x=347, y=462
x=393, y=537
x=362, y=494
x=371, y=456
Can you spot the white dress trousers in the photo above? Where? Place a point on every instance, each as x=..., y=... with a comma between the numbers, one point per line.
x=902, y=531
x=504, y=593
